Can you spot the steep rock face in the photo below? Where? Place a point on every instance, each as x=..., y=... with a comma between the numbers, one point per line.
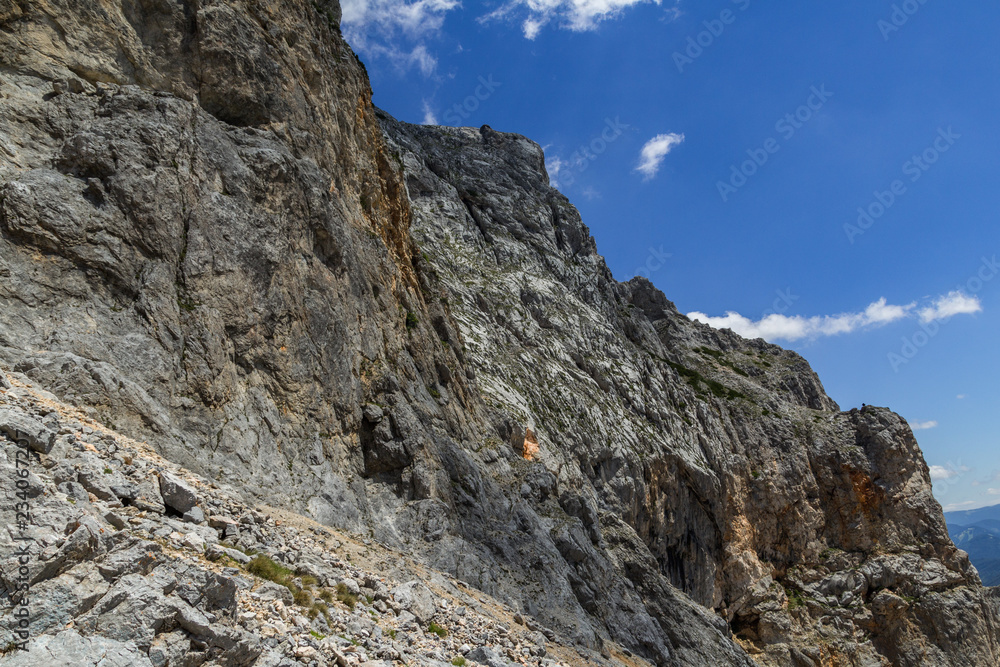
x=203, y=236
x=812, y=531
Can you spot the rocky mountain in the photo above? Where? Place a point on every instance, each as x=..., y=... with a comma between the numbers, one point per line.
x=211, y=242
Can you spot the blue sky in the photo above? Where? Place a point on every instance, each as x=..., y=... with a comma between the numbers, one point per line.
x=822, y=175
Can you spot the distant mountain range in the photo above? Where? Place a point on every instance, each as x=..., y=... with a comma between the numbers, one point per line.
x=977, y=532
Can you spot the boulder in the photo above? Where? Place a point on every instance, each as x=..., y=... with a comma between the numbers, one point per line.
x=20, y=427
x=177, y=494
x=417, y=599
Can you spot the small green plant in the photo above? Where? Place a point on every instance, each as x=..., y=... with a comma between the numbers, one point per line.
x=437, y=629
x=411, y=320
x=265, y=568
x=107, y=471
x=308, y=581
x=795, y=599
x=458, y=661
x=302, y=597
x=344, y=595
x=317, y=635
x=391, y=632
x=755, y=474
x=434, y=392
x=326, y=596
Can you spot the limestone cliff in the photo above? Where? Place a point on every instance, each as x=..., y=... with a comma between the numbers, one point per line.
x=212, y=241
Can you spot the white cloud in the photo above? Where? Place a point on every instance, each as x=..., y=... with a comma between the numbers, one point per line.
x=796, y=327
x=554, y=166
x=940, y=473
x=952, y=303
x=395, y=29
x=879, y=313
x=652, y=154
x=429, y=117
x=923, y=426
x=576, y=15
x=961, y=397
x=993, y=492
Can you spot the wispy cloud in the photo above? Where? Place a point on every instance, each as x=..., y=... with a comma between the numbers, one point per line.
x=923, y=426
x=429, y=117
x=395, y=29
x=879, y=313
x=653, y=152
x=952, y=303
x=576, y=15
x=941, y=473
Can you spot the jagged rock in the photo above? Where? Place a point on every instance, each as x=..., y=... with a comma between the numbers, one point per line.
x=216, y=551
x=417, y=599
x=194, y=515
x=70, y=648
x=20, y=427
x=486, y=656
x=147, y=497
x=177, y=494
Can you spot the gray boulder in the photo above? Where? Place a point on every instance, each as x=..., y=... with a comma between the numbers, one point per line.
x=19, y=427
x=69, y=647
x=417, y=599
x=485, y=655
x=177, y=494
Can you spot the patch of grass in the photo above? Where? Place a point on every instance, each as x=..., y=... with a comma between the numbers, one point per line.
x=434, y=392
x=107, y=471
x=326, y=596
x=302, y=597
x=458, y=661
x=755, y=474
x=391, y=632
x=344, y=595
x=437, y=629
x=265, y=568
x=308, y=581
x=317, y=635
x=696, y=380
x=411, y=320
